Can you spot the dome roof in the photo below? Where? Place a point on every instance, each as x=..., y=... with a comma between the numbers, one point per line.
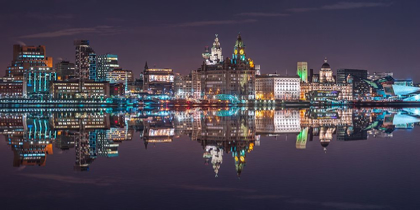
x=326, y=65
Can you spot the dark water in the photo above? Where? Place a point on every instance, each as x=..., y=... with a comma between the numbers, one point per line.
x=210, y=159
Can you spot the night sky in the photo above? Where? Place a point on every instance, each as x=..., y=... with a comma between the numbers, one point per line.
x=377, y=35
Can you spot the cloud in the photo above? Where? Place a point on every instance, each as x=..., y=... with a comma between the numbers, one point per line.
x=262, y=14
x=343, y=6
x=73, y=31
x=21, y=43
x=70, y=179
x=214, y=22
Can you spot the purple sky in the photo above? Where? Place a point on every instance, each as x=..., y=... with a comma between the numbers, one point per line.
x=377, y=35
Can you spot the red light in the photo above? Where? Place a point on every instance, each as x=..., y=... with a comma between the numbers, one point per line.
x=116, y=121
x=116, y=89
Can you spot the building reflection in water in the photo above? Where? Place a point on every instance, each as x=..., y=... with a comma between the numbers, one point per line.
x=222, y=132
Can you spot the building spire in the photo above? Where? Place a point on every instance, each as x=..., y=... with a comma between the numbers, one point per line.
x=325, y=60
x=146, y=66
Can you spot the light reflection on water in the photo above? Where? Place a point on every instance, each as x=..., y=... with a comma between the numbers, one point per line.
x=285, y=157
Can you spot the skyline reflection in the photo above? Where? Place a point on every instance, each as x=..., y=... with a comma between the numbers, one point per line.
x=222, y=133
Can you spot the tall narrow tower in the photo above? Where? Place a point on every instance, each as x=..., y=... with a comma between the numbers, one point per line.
x=83, y=50
x=302, y=71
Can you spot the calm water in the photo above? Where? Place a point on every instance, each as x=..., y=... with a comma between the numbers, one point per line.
x=210, y=159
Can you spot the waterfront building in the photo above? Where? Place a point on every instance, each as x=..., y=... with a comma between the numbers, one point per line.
x=158, y=81
x=215, y=56
x=64, y=69
x=104, y=64
x=404, y=82
x=233, y=77
x=302, y=71
x=37, y=81
x=10, y=88
x=118, y=75
x=326, y=74
x=380, y=75
x=196, y=84
x=338, y=91
x=323, y=84
x=183, y=86
x=83, y=50
x=356, y=77
x=77, y=89
x=277, y=87
x=26, y=58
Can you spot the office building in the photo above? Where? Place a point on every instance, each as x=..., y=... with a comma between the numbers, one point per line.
x=76, y=89
x=158, y=81
x=10, y=88
x=356, y=77
x=64, y=69
x=26, y=58
x=183, y=86
x=277, y=87
x=104, y=64
x=83, y=50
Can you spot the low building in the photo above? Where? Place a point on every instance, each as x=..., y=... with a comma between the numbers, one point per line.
x=345, y=91
x=119, y=76
x=158, y=81
x=277, y=87
x=77, y=89
x=37, y=82
x=116, y=90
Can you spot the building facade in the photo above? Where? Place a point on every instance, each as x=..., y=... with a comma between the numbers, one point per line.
x=104, y=64
x=302, y=71
x=64, y=70
x=277, y=87
x=83, y=50
x=158, y=81
x=77, y=89
x=26, y=58
x=234, y=77
x=11, y=88
x=183, y=86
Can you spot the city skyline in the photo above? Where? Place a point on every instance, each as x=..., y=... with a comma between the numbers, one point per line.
x=379, y=36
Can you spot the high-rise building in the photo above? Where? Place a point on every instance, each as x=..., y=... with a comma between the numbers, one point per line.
x=326, y=74
x=92, y=66
x=83, y=50
x=27, y=57
x=64, y=70
x=104, y=64
x=302, y=71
